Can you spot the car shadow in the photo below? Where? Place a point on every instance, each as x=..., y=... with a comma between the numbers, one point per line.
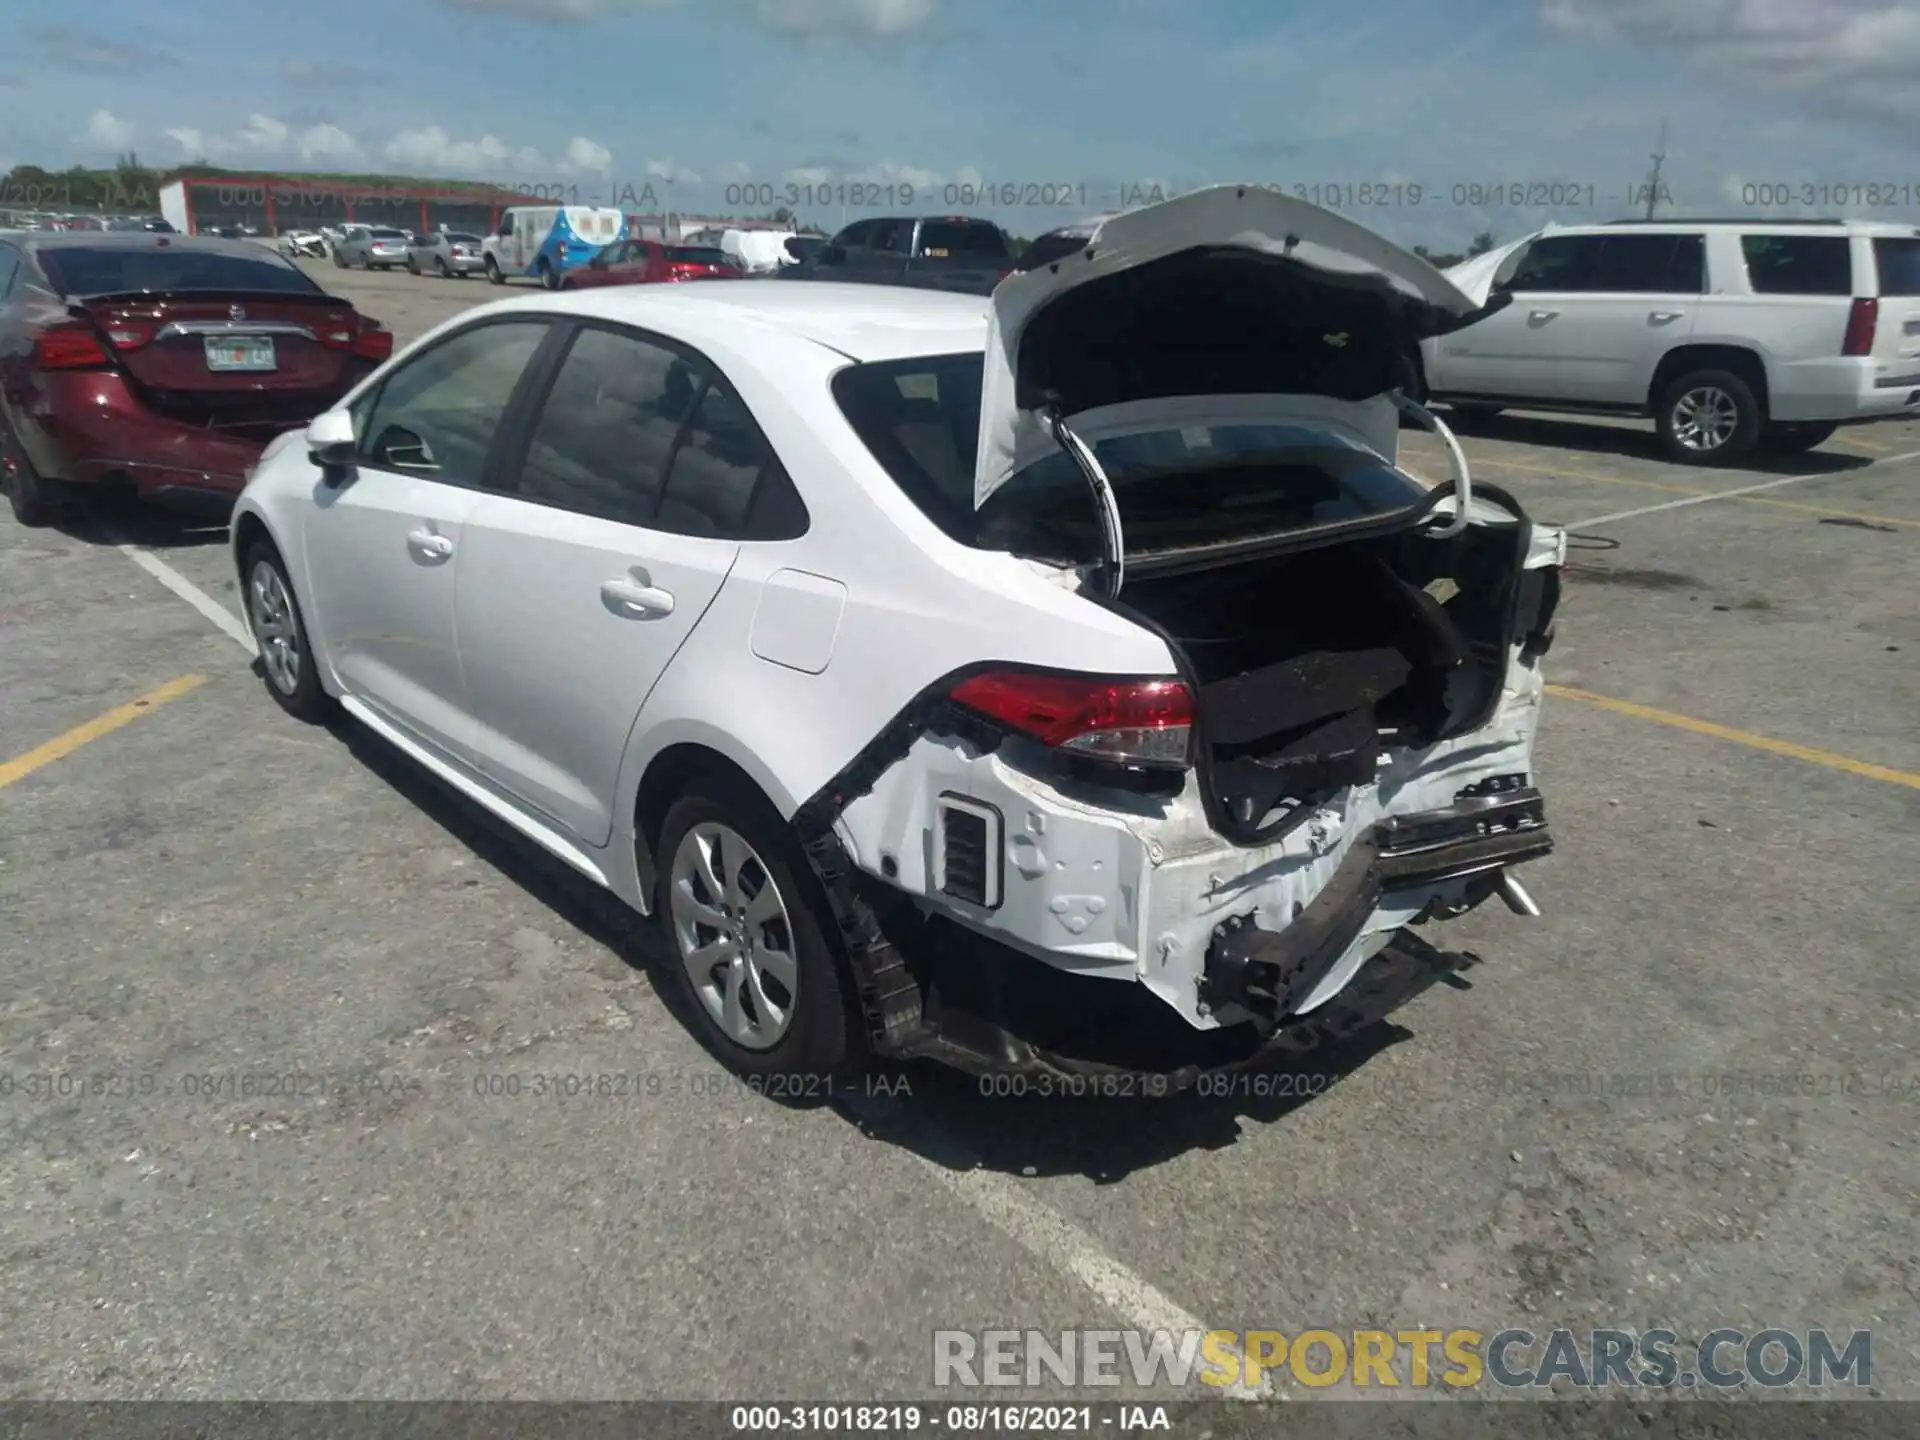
x=954, y=1120
x=118, y=521
x=1639, y=443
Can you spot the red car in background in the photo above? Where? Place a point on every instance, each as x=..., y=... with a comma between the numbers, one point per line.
x=160, y=365
x=649, y=262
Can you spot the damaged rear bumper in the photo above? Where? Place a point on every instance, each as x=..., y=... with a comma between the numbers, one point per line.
x=1273, y=973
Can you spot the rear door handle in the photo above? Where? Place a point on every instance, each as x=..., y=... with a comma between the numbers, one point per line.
x=429, y=545
x=635, y=598
x=1660, y=317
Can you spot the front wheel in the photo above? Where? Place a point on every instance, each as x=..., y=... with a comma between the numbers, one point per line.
x=273, y=615
x=1798, y=439
x=740, y=906
x=26, y=496
x=493, y=272
x=1709, y=417
x=549, y=277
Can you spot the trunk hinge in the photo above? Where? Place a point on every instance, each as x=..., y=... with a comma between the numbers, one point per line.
x=1462, y=480
x=1114, y=563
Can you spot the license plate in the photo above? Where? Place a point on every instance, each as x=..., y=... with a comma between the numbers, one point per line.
x=240, y=352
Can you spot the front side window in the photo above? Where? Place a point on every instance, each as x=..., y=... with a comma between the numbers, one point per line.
x=606, y=430
x=437, y=415
x=1556, y=262
x=1798, y=264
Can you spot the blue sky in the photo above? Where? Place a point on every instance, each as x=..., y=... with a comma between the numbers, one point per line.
x=1088, y=102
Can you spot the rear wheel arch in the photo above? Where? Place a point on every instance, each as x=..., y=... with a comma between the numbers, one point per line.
x=675, y=771
x=1685, y=359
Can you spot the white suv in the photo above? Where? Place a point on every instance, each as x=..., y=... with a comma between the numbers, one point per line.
x=1730, y=334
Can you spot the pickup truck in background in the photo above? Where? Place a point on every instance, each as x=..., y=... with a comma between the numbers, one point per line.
x=946, y=252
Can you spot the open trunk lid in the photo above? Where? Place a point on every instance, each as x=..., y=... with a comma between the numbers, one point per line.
x=1212, y=307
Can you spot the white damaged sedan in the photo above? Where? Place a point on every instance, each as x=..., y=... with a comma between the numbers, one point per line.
x=1067, y=682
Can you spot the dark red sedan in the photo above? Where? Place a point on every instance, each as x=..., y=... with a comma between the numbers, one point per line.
x=160, y=365
x=649, y=262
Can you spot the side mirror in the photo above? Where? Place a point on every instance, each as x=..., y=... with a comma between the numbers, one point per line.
x=330, y=439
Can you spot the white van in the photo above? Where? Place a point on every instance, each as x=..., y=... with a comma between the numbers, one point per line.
x=546, y=241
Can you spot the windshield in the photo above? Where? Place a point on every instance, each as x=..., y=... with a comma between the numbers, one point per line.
x=1199, y=485
x=113, y=269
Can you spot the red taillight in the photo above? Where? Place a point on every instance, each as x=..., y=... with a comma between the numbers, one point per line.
x=1130, y=722
x=374, y=342
x=69, y=347
x=1861, y=322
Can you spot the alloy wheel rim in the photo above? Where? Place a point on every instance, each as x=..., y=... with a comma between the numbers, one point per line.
x=735, y=939
x=1705, y=418
x=271, y=609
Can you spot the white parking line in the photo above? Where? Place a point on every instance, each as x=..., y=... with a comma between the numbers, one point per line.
x=219, y=614
x=1036, y=1229
x=1733, y=494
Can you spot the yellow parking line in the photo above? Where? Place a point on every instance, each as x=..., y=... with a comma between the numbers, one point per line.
x=1740, y=737
x=1826, y=510
x=63, y=745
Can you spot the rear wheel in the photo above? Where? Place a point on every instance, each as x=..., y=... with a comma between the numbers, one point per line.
x=739, y=906
x=339, y=261
x=273, y=615
x=26, y=495
x=1709, y=417
x=441, y=265
x=1798, y=439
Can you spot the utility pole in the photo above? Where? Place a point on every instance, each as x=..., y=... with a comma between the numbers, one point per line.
x=1653, y=177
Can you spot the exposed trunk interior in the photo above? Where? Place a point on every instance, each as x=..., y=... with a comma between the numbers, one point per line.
x=1309, y=665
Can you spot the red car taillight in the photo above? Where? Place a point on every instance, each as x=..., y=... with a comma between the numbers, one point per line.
x=1861, y=323
x=70, y=347
x=374, y=342
x=1126, y=722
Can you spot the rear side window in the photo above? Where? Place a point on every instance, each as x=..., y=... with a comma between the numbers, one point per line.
x=725, y=480
x=1656, y=264
x=606, y=431
x=9, y=267
x=117, y=269
x=1798, y=264
x=956, y=240
x=1899, y=264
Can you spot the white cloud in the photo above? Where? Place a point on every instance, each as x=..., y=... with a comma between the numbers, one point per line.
x=733, y=172
x=809, y=175
x=585, y=157
x=265, y=140
x=671, y=173
x=557, y=12
x=1851, y=57
x=108, y=131
x=432, y=151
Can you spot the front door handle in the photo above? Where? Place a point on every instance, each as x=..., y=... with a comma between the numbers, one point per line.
x=429, y=545
x=1543, y=314
x=635, y=599
x=1661, y=317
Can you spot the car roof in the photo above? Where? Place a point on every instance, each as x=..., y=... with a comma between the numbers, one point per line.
x=1757, y=225
x=861, y=322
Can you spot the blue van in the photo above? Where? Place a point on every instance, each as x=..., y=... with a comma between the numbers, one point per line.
x=543, y=242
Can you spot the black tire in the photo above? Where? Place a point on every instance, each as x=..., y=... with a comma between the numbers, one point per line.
x=445, y=273
x=549, y=277
x=1797, y=439
x=494, y=277
x=1471, y=417
x=27, y=495
x=339, y=261
x=1685, y=396
x=305, y=699
x=413, y=268
x=823, y=1035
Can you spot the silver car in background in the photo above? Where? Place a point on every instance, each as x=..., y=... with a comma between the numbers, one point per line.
x=446, y=253
x=372, y=247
